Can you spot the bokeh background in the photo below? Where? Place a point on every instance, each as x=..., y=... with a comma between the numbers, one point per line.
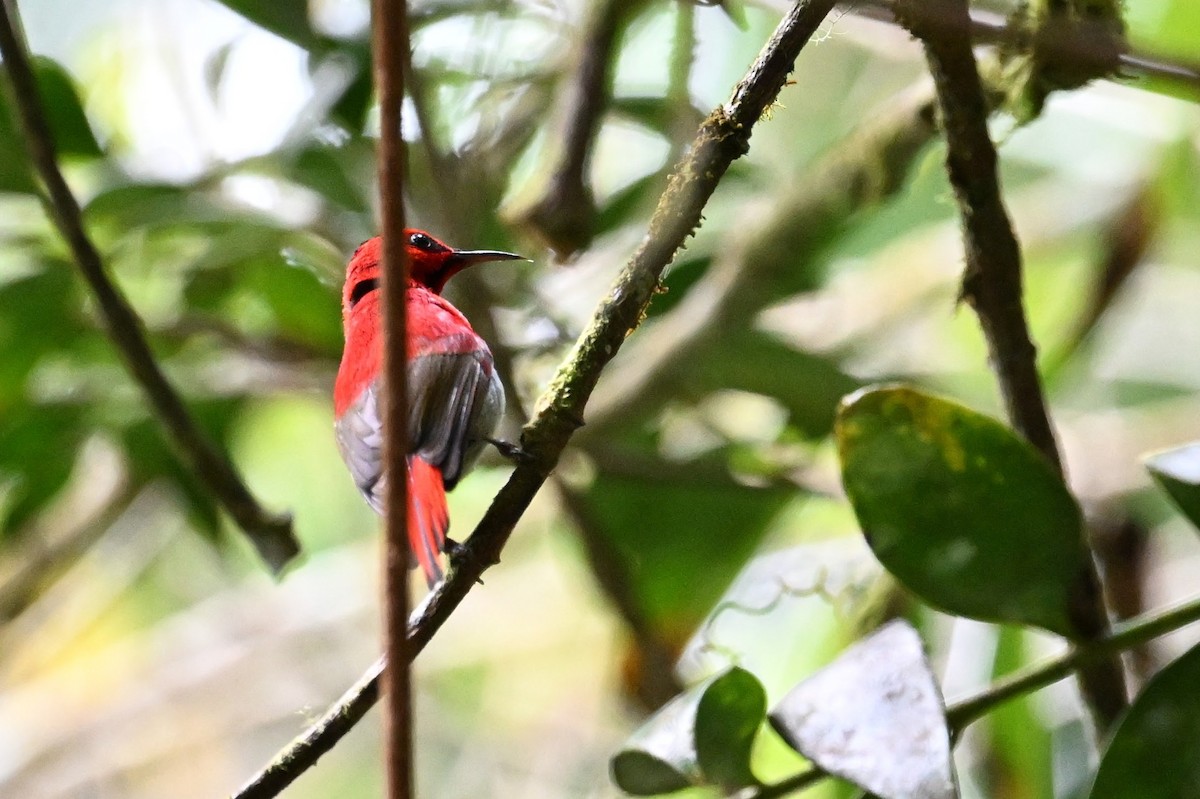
x=223, y=153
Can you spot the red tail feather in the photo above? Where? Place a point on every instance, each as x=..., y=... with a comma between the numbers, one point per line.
x=428, y=518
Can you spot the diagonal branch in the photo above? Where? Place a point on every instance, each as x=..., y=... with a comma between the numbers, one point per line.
x=992, y=286
x=271, y=534
x=722, y=138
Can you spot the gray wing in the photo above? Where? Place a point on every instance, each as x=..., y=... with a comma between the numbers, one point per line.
x=359, y=435
x=455, y=402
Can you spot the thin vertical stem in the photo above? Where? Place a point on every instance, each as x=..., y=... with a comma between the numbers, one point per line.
x=390, y=40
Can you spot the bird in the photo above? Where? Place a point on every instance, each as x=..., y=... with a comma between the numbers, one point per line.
x=455, y=397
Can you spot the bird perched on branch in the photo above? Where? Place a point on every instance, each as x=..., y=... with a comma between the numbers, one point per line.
x=455, y=398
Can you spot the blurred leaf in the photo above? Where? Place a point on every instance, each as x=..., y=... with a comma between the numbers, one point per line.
x=650, y=112
x=683, y=274
x=303, y=307
x=1167, y=29
x=1178, y=472
x=287, y=19
x=151, y=458
x=960, y=509
x=878, y=697
x=683, y=540
x=325, y=170
x=626, y=205
x=1155, y=752
x=64, y=114
x=703, y=736
x=154, y=204
x=39, y=452
x=41, y=316
x=64, y=110
x=808, y=385
x=1021, y=763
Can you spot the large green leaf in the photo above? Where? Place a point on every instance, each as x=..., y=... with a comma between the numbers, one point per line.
x=960, y=509
x=703, y=736
x=1155, y=752
x=1178, y=472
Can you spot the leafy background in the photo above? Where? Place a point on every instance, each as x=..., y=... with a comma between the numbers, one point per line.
x=224, y=156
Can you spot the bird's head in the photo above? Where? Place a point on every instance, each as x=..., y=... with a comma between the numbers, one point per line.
x=431, y=264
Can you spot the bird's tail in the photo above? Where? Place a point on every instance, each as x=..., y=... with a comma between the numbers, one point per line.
x=428, y=518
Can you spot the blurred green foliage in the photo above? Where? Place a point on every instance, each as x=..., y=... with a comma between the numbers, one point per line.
x=223, y=154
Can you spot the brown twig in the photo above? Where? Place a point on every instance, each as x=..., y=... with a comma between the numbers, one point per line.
x=271, y=534
x=722, y=138
x=992, y=286
x=304, y=751
x=564, y=216
x=1069, y=44
x=389, y=26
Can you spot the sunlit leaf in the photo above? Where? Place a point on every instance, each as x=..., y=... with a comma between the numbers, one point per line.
x=1155, y=752
x=703, y=736
x=1178, y=472
x=875, y=717
x=960, y=509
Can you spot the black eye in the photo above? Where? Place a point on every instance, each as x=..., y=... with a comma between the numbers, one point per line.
x=421, y=241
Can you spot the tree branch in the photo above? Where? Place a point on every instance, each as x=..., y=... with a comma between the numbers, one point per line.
x=1069, y=44
x=992, y=286
x=271, y=534
x=722, y=138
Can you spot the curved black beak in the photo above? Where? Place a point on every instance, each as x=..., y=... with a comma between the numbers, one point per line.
x=464, y=258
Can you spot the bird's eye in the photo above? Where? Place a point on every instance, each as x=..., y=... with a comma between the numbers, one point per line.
x=421, y=241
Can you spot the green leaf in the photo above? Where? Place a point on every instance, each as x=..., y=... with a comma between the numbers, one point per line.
x=878, y=697
x=329, y=171
x=287, y=19
x=703, y=736
x=39, y=452
x=1178, y=472
x=808, y=385
x=965, y=513
x=64, y=114
x=683, y=529
x=1155, y=752
x=64, y=110
x=727, y=721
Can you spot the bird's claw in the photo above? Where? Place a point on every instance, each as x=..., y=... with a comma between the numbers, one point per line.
x=509, y=450
x=457, y=553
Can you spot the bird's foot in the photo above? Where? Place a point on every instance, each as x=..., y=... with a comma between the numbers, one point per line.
x=452, y=548
x=509, y=450
x=457, y=554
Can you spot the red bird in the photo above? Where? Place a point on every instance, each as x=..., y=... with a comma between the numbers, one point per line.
x=455, y=397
